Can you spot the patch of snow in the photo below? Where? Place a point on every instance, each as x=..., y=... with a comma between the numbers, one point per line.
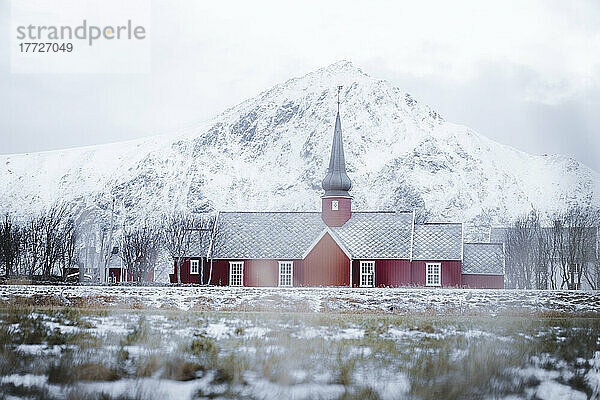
x=551, y=390
x=219, y=330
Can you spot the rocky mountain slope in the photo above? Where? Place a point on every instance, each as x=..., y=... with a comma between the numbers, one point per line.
x=271, y=153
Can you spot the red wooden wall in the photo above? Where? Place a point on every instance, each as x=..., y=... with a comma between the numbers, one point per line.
x=266, y=272
x=477, y=281
x=261, y=273
x=186, y=277
x=328, y=265
x=451, y=273
x=325, y=265
x=220, y=274
x=390, y=273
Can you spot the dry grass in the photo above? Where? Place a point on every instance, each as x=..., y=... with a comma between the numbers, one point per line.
x=449, y=356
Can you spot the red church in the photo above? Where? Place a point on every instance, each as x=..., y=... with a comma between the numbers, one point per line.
x=340, y=247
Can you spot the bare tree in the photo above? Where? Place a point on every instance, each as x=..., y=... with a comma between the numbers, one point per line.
x=520, y=248
x=542, y=254
x=215, y=236
x=575, y=238
x=96, y=231
x=592, y=273
x=10, y=245
x=69, y=238
x=139, y=250
x=51, y=222
x=32, y=246
x=176, y=230
x=208, y=230
x=555, y=234
x=106, y=241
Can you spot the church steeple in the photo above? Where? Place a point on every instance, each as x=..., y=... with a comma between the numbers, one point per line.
x=337, y=182
x=336, y=202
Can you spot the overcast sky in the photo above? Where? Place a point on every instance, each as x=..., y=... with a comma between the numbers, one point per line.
x=522, y=73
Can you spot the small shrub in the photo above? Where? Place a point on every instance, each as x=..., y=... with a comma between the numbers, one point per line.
x=31, y=331
x=137, y=333
x=427, y=328
x=10, y=390
x=96, y=372
x=61, y=373
x=202, y=346
x=148, y=366
x=345, y=370
x=360, y=394
x=229, y=370
x=178, y=369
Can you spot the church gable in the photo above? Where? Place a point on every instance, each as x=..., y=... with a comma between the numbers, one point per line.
x=326, y=264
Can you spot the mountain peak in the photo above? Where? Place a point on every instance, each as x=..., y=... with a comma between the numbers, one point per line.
x=341, y=72
x=342, y=65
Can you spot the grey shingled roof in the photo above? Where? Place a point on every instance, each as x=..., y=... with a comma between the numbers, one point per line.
x=438, y=241
x=377, y=234
x=483, y=258
x=266, y=235
x=288, y=235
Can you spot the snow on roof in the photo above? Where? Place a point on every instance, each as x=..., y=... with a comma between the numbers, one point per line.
x=438, y=241
x=287, y=235
x=266, y=235
x=483, y=258
x=376, y=235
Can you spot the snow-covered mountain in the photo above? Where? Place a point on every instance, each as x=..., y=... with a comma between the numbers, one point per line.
x=271, y=153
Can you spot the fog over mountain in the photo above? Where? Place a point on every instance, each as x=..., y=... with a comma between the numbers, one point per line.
x=271, y=152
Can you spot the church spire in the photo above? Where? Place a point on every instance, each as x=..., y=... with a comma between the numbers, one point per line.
x=337, y=182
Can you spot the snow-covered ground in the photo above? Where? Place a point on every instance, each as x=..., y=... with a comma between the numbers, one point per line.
x=157, y=354
x=318, y=300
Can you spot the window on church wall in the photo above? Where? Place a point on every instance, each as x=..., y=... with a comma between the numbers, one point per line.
x=194, y=266
x=236, y=273
x=286, y=269
x=433, y=274
x=367, y=273
x=334, y=205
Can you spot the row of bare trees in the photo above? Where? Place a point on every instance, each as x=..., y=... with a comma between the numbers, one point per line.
x=51, y=243
x=39, y=246
x=562, y=254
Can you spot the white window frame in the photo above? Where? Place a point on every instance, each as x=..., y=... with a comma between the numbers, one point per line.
x=240, y=281
x=287, y=275
x=335, y=205
x=365, y=273
x=432, y=273
x=192, y=264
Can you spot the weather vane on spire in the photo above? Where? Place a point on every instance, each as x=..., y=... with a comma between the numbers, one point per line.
x=339, y=88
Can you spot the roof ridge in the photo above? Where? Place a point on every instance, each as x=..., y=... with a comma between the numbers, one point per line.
x=375, y=212
x=484, y=243
x=441, y=223
x=270, y=212
x=318, y=212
